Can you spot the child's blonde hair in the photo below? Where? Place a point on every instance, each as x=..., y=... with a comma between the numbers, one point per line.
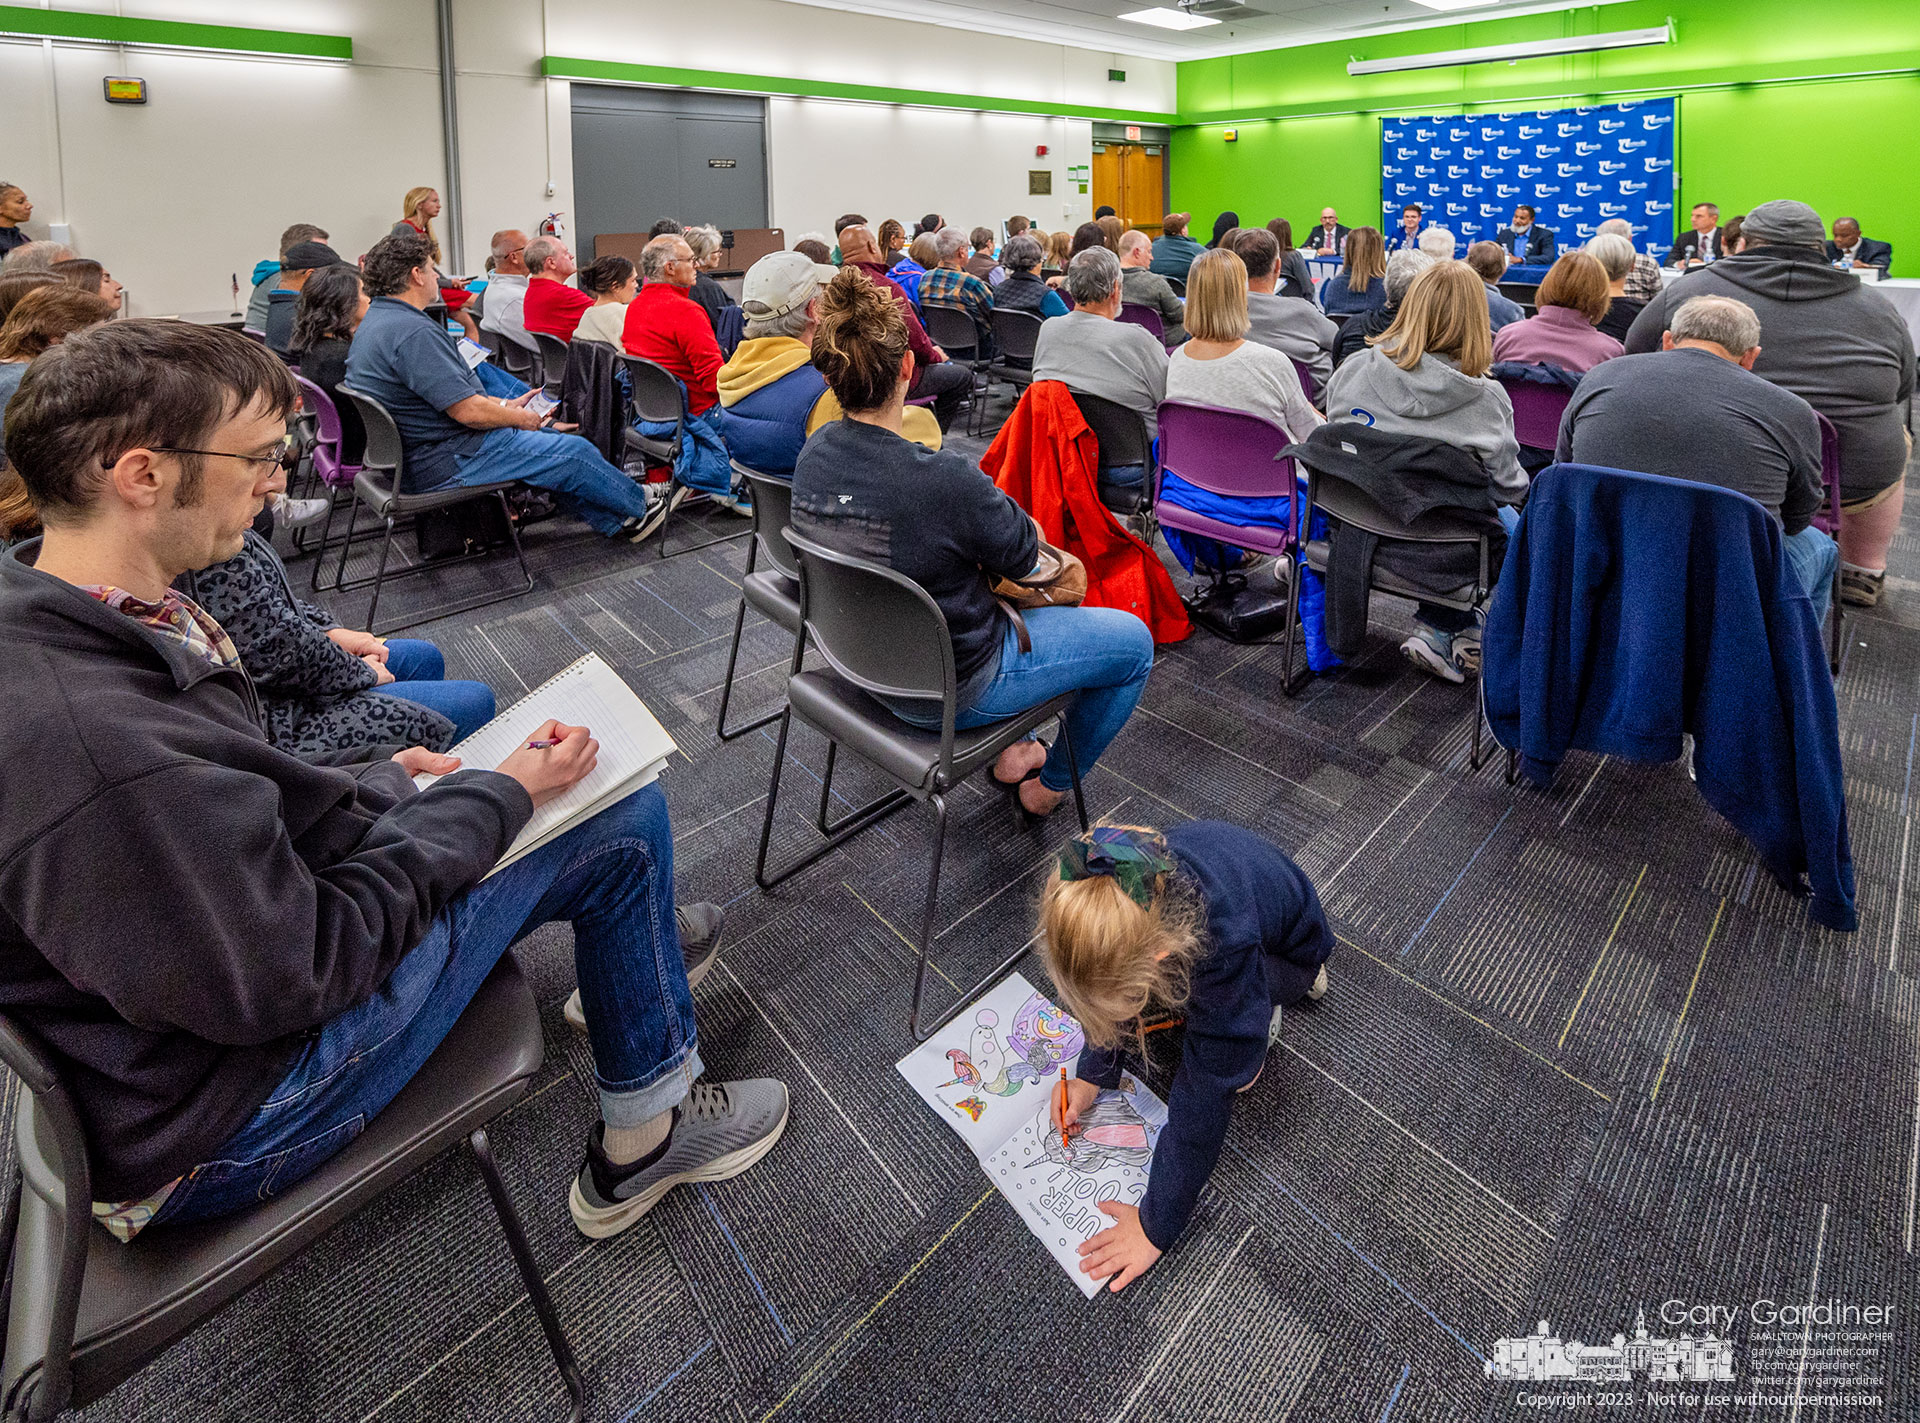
x=1111, y=958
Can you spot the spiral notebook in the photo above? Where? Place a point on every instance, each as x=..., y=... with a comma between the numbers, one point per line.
x=633, y=747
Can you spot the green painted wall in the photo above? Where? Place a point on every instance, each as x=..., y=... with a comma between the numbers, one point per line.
x=1764, y=112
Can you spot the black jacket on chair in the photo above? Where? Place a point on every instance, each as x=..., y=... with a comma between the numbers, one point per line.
x=594, y=397
x=1407, y=476
x=1868, y=254
x=1541, y=246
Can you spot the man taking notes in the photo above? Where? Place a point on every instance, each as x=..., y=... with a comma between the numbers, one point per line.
x=262, y=950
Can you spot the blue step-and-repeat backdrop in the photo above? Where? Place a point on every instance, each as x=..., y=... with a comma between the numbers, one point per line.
x=1577, y=167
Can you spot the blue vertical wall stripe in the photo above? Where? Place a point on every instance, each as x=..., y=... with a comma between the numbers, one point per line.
x=1576, y=167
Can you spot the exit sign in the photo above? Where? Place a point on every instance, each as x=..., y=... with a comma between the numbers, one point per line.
x=1133, y=133
x=1117, y=76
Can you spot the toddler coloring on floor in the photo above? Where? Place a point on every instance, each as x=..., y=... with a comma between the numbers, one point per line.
x=1207, y=922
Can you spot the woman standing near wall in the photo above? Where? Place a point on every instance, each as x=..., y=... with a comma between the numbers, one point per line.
x=417, y=211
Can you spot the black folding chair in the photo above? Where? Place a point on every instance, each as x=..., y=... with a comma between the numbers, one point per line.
x=773, y=591
x=520, y=363
x=1124, y=441
x=553, y=363
x=1347, y=503
x=378, y=485
x=656, y=396
x=1017, y=335
x=882, y=634
x=953, y=331
x=84, y=1312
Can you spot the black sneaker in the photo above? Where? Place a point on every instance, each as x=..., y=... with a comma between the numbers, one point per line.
x=719, y=1131
x=699, y=926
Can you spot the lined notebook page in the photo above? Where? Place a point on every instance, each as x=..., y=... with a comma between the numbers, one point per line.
x=633, y=746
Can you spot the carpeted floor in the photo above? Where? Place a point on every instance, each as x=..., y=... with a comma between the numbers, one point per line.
x=1580, y=1055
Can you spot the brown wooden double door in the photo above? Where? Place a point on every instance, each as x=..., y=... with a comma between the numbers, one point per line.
x=1131, y=179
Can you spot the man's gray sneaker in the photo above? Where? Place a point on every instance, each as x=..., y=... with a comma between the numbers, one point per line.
x=699, y=926
x=719, y=1131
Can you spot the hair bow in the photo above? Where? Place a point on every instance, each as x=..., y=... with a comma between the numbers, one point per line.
x=1135, y=859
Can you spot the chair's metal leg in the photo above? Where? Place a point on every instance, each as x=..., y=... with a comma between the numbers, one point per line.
x=379, y=574
x=1513, y=765
x=346, y=544
x=326, y=533
x=926, y=914
x=1836, y=638
x=773, y=796
x=838, y=832
x=1290, y=685
x=513, y=532
x=1480, y=690
x=826, y=789
x=726, y=687
x=537, y=1295
x=9, y=1228
x=1073, y=768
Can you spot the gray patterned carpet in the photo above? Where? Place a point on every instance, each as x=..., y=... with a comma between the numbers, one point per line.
x=1580, y=1055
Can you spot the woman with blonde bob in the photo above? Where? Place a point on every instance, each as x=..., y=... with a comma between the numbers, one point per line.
x=418, y=209
x=1426, y=375
x=1218, y=365
x=1573, y=301
x=1361, y=283
x=1207, y=924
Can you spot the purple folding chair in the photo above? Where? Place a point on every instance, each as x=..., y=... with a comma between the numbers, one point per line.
x=1537, y=409
x=326, y=464
x=1234, y=455
x=1827, y=520
x=1134, y=314
x=1308, y=385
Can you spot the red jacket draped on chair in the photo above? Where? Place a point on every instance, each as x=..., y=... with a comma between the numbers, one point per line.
x=1047, y=458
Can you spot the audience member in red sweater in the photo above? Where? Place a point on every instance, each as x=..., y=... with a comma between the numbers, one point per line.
x=552, y=306
x=666, y=326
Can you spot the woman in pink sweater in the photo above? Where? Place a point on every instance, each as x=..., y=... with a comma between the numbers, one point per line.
x=1572, y=300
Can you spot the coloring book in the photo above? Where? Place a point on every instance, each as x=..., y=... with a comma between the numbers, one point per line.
x=990, y=1073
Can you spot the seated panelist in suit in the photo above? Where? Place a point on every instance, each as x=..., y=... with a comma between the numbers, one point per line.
x=1525, y=241
x=1407, y=239
x=1329, y=239
x=1849, y=247
x=1704, y=242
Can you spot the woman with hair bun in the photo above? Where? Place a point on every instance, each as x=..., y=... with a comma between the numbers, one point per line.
x=862, y=487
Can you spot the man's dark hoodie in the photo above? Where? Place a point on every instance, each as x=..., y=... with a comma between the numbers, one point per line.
x=181, y=902
x=1835, y=343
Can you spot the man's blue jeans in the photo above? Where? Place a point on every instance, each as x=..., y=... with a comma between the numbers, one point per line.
x=1104, y=654
x=585, y=484
x=613, y=878
x=419, y=675
x=1813, y=555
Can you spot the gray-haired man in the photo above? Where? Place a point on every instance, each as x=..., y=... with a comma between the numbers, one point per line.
x=1694, y=410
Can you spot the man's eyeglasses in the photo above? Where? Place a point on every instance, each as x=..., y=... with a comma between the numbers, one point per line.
x=285, y=455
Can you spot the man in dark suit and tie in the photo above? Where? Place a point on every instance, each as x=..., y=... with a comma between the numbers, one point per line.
x=1849, y=248
x=1525, y=242
x=1329, y=239
x=1702, y=242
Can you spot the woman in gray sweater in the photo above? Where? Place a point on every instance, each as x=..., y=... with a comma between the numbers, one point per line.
x=1427, y=375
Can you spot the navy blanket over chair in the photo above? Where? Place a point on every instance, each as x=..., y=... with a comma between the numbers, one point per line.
x=1633, y=608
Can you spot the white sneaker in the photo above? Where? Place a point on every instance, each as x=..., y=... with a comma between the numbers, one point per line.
x=299, y=513
x=1319, y=989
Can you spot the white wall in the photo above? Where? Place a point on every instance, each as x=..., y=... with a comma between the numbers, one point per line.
x=179, y=195
x=827, y=157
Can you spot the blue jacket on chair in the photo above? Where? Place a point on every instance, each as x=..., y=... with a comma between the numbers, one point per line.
x=1632, y=608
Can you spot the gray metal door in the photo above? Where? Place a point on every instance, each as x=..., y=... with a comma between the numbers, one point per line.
x=643, y=154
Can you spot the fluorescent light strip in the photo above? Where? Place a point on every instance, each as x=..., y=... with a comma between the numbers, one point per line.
x=1506, y=53
x=1456, y=4
x=1168, y=19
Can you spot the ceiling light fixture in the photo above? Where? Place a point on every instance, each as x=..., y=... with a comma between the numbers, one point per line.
x=1169, y=19
x=1507, y=53
x=1456, y=4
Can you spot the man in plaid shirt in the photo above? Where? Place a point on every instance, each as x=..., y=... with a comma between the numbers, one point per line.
x=951, y=284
